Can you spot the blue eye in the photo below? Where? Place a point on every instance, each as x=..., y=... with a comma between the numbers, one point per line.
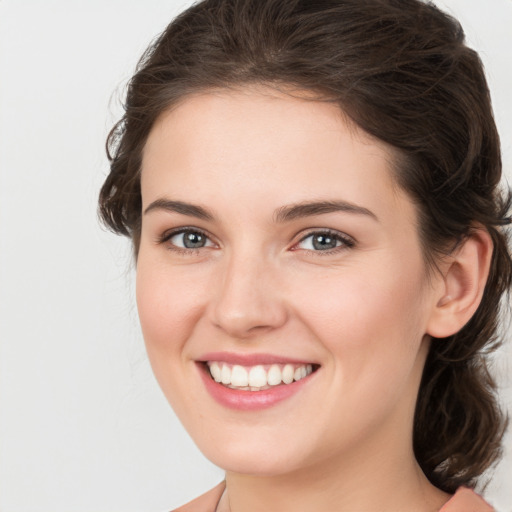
x=324, y=241
x=188, y=239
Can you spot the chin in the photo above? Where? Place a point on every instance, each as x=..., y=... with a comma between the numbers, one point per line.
x=252, y=459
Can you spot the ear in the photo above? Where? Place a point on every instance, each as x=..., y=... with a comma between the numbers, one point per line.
x=461, y=285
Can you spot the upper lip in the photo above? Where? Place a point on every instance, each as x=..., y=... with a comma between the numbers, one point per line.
x=250, y=359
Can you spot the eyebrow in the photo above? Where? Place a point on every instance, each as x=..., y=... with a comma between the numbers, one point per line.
x=309, y=209
x=281, y=215
x=191, y=210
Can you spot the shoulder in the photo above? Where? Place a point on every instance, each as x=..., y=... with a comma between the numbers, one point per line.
x=466, y=500
x=207, y=502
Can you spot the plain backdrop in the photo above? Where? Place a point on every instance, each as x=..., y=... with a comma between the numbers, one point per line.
x=83, y=425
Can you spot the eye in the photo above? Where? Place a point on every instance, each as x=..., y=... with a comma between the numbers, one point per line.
x=324, y=241
x=187, y=239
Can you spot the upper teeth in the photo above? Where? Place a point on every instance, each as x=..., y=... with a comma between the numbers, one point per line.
x=259, y=376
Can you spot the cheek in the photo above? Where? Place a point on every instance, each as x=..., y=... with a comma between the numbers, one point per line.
x=168, y=306
x=372, y=329
x=363, y=300
x=371, y=322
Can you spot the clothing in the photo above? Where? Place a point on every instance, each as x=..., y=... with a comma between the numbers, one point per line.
x=464, y=500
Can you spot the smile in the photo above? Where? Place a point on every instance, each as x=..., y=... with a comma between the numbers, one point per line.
x=254, y=382
x=258, y=377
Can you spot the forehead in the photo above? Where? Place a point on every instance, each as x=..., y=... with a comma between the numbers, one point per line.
x=260, y=143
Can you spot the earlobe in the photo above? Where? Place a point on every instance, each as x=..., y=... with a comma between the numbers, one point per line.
x=462, y=285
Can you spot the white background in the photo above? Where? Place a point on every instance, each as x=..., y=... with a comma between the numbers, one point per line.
x=83, y=425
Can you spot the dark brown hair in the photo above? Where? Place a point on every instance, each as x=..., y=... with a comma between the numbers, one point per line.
x=401, y=71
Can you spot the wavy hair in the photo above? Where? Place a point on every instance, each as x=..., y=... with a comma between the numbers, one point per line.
x=400, y=69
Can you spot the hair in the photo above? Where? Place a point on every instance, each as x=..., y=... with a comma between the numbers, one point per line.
x=400, y=70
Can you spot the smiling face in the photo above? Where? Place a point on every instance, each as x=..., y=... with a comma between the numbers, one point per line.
x=276, y=246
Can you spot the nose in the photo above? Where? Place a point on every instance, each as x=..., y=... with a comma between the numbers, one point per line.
x=249, y=299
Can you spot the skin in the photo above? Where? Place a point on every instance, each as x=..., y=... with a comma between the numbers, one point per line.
x=363, y=311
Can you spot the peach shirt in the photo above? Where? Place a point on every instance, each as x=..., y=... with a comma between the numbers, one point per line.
x=464, y=500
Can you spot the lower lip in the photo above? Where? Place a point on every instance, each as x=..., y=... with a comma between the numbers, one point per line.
x=250, y=400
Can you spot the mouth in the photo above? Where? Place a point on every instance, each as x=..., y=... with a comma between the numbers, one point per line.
x=254, y=382
x=258, y=377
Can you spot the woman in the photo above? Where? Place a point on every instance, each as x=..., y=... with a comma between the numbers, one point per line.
x=312, y=191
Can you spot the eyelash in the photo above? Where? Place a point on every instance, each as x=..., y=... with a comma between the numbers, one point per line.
x=182, y=250
x=347, y=242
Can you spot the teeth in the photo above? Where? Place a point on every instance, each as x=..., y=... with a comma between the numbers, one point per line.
x=256, y=378
x=239, y=376
x=288, y=371
x=216, y=372
x=274, y=376
x=225, y=374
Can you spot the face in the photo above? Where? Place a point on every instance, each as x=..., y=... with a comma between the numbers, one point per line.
x=281, y=287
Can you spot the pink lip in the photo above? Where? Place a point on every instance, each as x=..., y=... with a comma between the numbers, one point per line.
x=250, y=359
x=249, y=400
